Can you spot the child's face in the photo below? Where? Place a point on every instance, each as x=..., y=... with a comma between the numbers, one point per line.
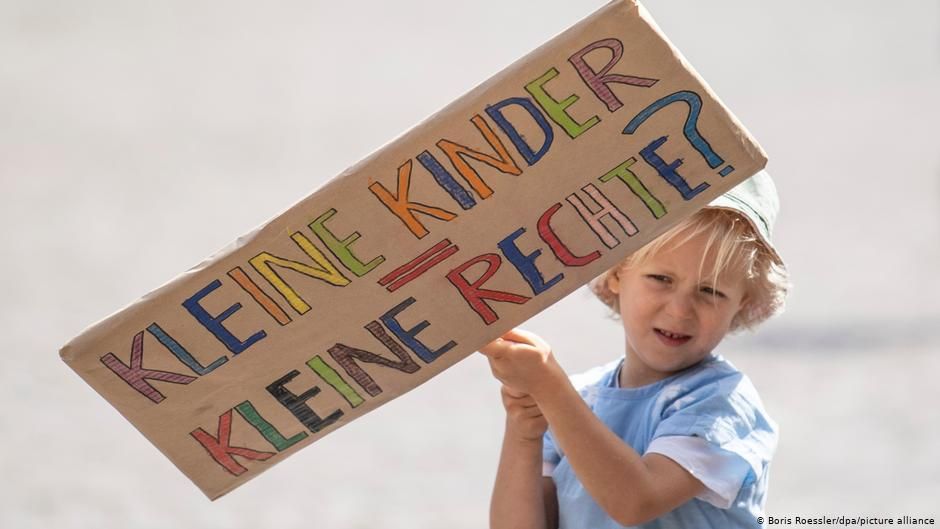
x=671, y=316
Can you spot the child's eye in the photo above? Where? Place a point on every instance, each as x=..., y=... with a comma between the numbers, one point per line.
x=658, y=278
x=712, y=292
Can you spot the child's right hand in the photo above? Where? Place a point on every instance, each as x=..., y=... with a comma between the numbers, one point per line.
x=524, y=419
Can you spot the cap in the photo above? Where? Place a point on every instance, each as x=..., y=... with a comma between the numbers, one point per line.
x=755, y=198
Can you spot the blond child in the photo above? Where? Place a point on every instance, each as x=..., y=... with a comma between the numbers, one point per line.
x=672, y=434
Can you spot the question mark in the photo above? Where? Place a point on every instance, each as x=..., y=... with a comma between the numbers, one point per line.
x=690, y=130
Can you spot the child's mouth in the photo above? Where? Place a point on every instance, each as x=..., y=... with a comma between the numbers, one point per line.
x=671, y=338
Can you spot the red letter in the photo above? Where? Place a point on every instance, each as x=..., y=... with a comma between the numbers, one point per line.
x=474, y=294
x=220, y=450
x=558, y=248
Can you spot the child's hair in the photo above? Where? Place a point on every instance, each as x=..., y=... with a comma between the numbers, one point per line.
x=734, y=241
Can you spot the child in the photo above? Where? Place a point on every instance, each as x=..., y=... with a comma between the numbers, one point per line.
x=671, y=435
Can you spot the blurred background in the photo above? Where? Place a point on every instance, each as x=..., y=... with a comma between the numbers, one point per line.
x=155, y=122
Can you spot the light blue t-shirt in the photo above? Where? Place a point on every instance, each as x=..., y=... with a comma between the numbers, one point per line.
x=712, y=401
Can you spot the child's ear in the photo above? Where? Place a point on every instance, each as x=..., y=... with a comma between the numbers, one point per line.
x=613, y=281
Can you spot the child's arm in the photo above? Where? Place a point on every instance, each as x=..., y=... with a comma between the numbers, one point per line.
x=522, y=498
x=631, y=488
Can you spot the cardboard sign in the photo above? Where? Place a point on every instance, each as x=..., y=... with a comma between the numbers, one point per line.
x=488, y=212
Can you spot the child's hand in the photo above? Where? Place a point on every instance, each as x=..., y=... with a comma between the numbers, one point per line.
x=524, y=419
x=523, y=361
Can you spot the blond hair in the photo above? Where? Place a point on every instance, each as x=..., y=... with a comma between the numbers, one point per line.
x=733, y=240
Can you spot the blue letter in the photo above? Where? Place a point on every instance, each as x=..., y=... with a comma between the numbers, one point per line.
x=408, y=337
x=180, y=352
x=668, y=171
x=445, y=180
x=525, y=264
x=690, y=129
x=214, y=324
x=496, y=114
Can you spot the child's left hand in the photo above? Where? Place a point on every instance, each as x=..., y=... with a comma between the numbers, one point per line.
x=523, y=361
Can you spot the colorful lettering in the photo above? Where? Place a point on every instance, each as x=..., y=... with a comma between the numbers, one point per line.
x=474, y=294
x=297, y=404
x=273, y=309
x=597, y=81
x=321, y=269
x=626, y=176
x=220, y=450
x=214, y=323
x=417, y=266
x=136, y=376
x=458, y=154
x=402, y=208
x=557, y=110
x=446, y=180
x=668, y=170
x=181, y=353
x=347, y=356
x=689, y=129
x=340, y=248
x=557, y=246
x=606, y=209
x=409, y=336
x=525, y=264
x=331, y=377
x=495, y=112
x=266, y=429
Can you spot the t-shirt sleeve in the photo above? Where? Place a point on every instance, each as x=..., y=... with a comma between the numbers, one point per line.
x=721, y=472
x=728, y=416
x=550, y=455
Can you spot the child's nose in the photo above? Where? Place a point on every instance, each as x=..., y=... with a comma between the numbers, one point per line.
x=680, y=306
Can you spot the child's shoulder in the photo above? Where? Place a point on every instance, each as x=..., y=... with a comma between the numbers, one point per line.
x=715, y=369
x=715, y=377
x=722, y=373
x=716, y=389
x=712, y=377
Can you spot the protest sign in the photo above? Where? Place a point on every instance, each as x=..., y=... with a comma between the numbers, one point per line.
x=486, y=213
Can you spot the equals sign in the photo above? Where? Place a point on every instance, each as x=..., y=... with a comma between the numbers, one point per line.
x=417, y=266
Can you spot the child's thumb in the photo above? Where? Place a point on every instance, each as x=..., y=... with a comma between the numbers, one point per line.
x=526, y=337
x=491, y=350
x=521, y=336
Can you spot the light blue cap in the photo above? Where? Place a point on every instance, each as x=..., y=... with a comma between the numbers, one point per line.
x=756, y=199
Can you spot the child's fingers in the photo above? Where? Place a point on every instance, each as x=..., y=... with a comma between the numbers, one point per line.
x=520, y=336
x=526, y=337
x=513, y=339
x=517, y=398
x=508, y=391
x=494, y=348
x=522, y=409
